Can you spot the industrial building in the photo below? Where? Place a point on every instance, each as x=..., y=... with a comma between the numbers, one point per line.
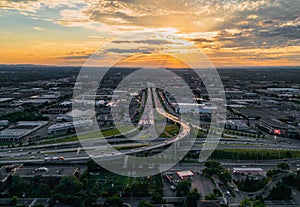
x=20, y=130
x=246, y=170
x=68, y=127
x=276, y=127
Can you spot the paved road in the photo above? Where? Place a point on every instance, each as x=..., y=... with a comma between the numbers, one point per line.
x=72, y=152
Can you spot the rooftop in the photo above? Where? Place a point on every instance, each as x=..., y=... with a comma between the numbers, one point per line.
x=183, y=174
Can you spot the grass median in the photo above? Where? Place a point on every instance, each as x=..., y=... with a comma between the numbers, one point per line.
x=250, y=154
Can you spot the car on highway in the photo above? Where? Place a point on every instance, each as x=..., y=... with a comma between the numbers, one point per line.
x=48, y=158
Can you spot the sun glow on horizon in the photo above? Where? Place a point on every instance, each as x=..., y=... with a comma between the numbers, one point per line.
x=231, y=34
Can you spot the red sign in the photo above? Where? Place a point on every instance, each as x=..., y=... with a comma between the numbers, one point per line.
x=277, y=131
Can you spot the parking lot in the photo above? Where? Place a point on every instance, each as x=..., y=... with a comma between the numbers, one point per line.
x=202, y=184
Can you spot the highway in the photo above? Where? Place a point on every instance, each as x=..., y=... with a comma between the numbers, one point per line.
x=148, y=140
x=72, y=151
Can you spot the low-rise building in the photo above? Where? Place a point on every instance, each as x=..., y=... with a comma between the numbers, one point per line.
x=238, y=125
x=57, y=110
x=277, y=127
x=4, y=123
x=185, y=174
x=20, y=130
x=68, y=127
x=246, y=170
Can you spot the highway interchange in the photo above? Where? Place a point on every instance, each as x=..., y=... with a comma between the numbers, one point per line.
x=73, y=151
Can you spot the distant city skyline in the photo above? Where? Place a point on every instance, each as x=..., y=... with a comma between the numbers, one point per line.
x=231, y=33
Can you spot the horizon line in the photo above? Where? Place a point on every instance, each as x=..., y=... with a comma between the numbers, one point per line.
x=125, y=67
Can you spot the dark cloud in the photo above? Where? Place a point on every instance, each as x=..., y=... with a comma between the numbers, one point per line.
x=199, y=40
x=267, y=23
x=121, y=41
x=273, y=25
x=291, y=32
x=76, y=57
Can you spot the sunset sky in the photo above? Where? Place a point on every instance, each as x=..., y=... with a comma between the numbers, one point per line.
x=230, y=32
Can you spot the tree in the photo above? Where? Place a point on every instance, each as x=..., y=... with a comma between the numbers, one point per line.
x=280, y=192
x=183, y=187
x=213, y=168
x=225, y=176
x=245, y=203
x=156, y=198
x=19, y=186
x=14, y=201
x=95, y=190
x=114, y=201
x=288, y=154
x=68, y=185
x=217, y=192
x=283, y=166
x=292, y=180
x=192, y=198
x=44, y=190
x=145, y=203
x=211, y=196
x=139, y=188
x=271, y=173
x=258, y=203
x=90, y=199
x=93, y=166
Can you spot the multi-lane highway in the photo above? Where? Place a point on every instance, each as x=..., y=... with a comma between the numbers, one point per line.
x=72, y=151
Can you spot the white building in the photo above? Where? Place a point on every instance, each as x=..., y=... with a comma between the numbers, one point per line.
x=236, y=125
x=68, y=126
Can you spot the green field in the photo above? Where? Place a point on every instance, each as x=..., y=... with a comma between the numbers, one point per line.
x=109, y=183
x=170, y=131
x=104, y=133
